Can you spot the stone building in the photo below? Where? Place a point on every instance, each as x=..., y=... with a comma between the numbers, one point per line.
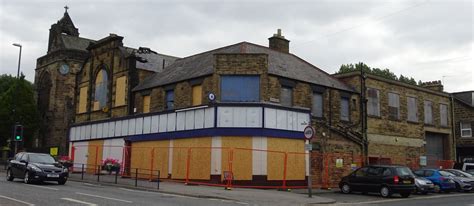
x=405, y=123
x=464, y=122
x=242, y=101
x=55, y=80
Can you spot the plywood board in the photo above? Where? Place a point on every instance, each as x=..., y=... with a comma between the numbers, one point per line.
x=200, y=158
x=296, y=168
x=149, y=157
x=94, y=156
x=241, y=159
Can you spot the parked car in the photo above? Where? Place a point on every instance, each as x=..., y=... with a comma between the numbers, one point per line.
x=384, y=179
x=442, y=180
x=470, y=172
x=423, y=185
x=36, y=167
x=464, y=181
x=467, y=166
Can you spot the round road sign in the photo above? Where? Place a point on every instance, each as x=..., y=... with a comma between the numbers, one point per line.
x=308, y=132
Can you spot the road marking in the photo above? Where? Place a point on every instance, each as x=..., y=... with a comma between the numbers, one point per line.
x=78, y=201
x=404, y=199
x=108, y=198
x=13, y=199
x=49, y=188
x=89, y=184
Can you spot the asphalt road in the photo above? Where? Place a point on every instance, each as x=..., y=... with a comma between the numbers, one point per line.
x=74, y=193
x=452, y=199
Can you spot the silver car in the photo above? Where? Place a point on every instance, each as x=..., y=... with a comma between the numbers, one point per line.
x=423, y=185
x=464, y=181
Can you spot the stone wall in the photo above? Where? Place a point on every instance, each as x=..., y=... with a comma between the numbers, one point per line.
x=463, y=113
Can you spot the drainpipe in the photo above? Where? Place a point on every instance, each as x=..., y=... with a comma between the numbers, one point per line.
x=453, y=127
x=363, y=115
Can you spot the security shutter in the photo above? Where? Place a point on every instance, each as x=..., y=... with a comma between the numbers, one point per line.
x=286, y=96
x=412, y=109
x=373, y=107
x=443, y=114
x=317, y=107
x=393, y=106
x=428, y=112
x=434, y=147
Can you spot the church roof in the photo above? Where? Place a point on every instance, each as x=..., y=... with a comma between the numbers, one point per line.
x=149, y=59
x=280, y=64
x=77, y=43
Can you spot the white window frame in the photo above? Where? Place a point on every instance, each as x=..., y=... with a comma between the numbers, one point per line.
x=465, y=129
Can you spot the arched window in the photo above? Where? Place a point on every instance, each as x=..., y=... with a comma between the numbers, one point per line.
x=101, y=90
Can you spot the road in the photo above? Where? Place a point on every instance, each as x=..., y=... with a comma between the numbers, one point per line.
x=75, y=193
x=452, y=199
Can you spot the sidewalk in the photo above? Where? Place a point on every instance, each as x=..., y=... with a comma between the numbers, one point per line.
x=254, y=196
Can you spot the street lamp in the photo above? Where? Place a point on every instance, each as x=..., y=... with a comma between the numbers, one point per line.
x=16, y=91
x=19, y=59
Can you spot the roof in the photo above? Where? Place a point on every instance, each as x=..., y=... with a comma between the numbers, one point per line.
x=390, y=81
x=150, y=60
x=280, y=64
x=77, y=43
x=466, y=97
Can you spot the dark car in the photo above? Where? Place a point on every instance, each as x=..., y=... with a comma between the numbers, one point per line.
x=464, y=181
x=384, y=179
x=36, y=167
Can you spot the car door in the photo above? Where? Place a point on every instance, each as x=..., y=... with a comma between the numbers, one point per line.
x=359, y=180
x=14, y=165
x=374, y=178
x=22, y=165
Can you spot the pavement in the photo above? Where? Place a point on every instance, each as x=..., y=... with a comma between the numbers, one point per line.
x=238, y=196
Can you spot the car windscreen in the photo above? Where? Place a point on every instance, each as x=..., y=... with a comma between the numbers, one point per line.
x=47, y=159
x=446, y=174
x=404, y=171
x=460, y=173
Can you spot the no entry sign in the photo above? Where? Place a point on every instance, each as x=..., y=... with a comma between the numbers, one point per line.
x=308, y=132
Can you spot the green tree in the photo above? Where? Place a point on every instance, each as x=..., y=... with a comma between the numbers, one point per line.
x=18, y=92
x=385, y=73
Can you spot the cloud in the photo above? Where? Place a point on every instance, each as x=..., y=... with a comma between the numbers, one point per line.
x=426, y=39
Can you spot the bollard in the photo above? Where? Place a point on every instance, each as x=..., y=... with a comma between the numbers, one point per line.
x=136, y=177
x=158, y=181
x=82, y=172
x=116, y=175
x=98, y=173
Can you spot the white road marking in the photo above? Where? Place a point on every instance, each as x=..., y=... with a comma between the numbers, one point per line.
x=13, y=199
x=49, y=188
x=89, y=184
x=108, y=198
x=404, y=199
x=78, y=201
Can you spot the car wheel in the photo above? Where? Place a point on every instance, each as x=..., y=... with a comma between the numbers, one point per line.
x=405, y=194
x=9, y=175
x=437, y=189
x=62, y=182
x=424, y=193
x=346, y=189
x=26, y=179
x=385, y=191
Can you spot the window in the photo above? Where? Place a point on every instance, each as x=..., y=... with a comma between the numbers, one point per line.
x=82, y=100
x=362, y=172
x=373, y=106
x=393, y=106
x=197, y=95
x=317, y=107
x=286, y=96
x=120, y=86
x=387, y=172
x=344, y=108
x=412, y=109
x=240, y=88
x=169, y=99
x=146, y=104
x=443, y=115
x=101, y=90
x=428, y=112
x=466, y=129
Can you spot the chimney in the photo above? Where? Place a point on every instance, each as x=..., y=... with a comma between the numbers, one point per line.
x=279, y=43
x=433, y=85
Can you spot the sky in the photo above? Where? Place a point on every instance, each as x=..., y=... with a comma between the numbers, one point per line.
x=424, y=39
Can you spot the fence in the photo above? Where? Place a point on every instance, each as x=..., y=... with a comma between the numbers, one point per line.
x=230, y=167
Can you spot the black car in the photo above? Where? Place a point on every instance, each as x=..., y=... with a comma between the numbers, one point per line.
x=36, y=167
x=384, y=179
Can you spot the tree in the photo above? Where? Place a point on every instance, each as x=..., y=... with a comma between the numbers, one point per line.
x=18, y=92
x=385, y=73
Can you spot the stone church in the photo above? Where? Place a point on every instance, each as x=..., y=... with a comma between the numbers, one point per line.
x=60, y=71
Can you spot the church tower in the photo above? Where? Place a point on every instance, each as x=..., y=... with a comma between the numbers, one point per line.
x=55, y=80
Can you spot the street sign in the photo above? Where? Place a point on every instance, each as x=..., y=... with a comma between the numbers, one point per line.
x=308, y=132
x=308, y=147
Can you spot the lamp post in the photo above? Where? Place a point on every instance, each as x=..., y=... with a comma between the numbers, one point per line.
x=14, y=95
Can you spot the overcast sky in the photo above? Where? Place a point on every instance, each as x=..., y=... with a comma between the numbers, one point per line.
x=424, y=39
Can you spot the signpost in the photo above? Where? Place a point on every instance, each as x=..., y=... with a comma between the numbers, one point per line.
x=308, y=135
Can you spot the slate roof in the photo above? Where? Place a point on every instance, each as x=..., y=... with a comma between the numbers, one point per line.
x=280, y=64
x=152, y=61
x=73, y=42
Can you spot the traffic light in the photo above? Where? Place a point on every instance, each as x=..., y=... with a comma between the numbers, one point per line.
x=18, y=133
